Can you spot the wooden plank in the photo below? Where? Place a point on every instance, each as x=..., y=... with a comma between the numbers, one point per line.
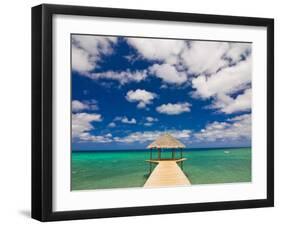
x=157, y=161
x=167, y=173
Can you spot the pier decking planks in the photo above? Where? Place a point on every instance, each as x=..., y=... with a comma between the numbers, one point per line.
x=167, y=173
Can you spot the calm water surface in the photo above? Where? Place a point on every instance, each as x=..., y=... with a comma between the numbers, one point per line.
x=121, y=169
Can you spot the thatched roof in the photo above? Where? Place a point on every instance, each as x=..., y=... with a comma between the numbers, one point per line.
x=166, y=141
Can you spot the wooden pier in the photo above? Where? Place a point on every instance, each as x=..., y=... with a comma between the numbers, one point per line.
x=167, y=173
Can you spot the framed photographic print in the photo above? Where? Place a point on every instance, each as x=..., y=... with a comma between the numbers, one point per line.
x=147, y=112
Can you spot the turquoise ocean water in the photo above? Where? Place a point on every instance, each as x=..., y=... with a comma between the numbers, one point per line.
x=122, y=169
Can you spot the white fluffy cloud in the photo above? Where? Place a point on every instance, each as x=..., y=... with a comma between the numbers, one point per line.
x=87, y=137
x=197, y=56
x=81, y=60
x=166, y=51
x=125, y=120
x=81, y=123
x=112, y=125
x=216, y=69
x=237, y=51
x=225, y=82
x=158, y=49
x=206, y=57
x=122, y=77
x=235, y=128
x=150, y=121
x=168, y=73
x=174, y=109
x=229, y=105
x=78, y=106
x=147, y=136
x=87, y=50
x=141, y=96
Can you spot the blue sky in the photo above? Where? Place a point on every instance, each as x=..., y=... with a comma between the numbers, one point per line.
x=128, y=91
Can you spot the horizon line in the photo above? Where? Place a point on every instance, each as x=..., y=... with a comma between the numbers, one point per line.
x=142, y=149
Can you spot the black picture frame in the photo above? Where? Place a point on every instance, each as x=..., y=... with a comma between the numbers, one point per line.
x=42, y=107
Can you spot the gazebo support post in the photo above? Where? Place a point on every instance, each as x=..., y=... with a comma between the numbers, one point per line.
x=166, y=141
x=181, y=158
x=150, y=163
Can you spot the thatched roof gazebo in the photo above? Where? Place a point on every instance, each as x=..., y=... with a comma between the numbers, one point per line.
x=166, y=142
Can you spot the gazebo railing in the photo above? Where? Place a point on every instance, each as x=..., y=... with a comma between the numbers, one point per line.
x=160, y=156
x=160, y=152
